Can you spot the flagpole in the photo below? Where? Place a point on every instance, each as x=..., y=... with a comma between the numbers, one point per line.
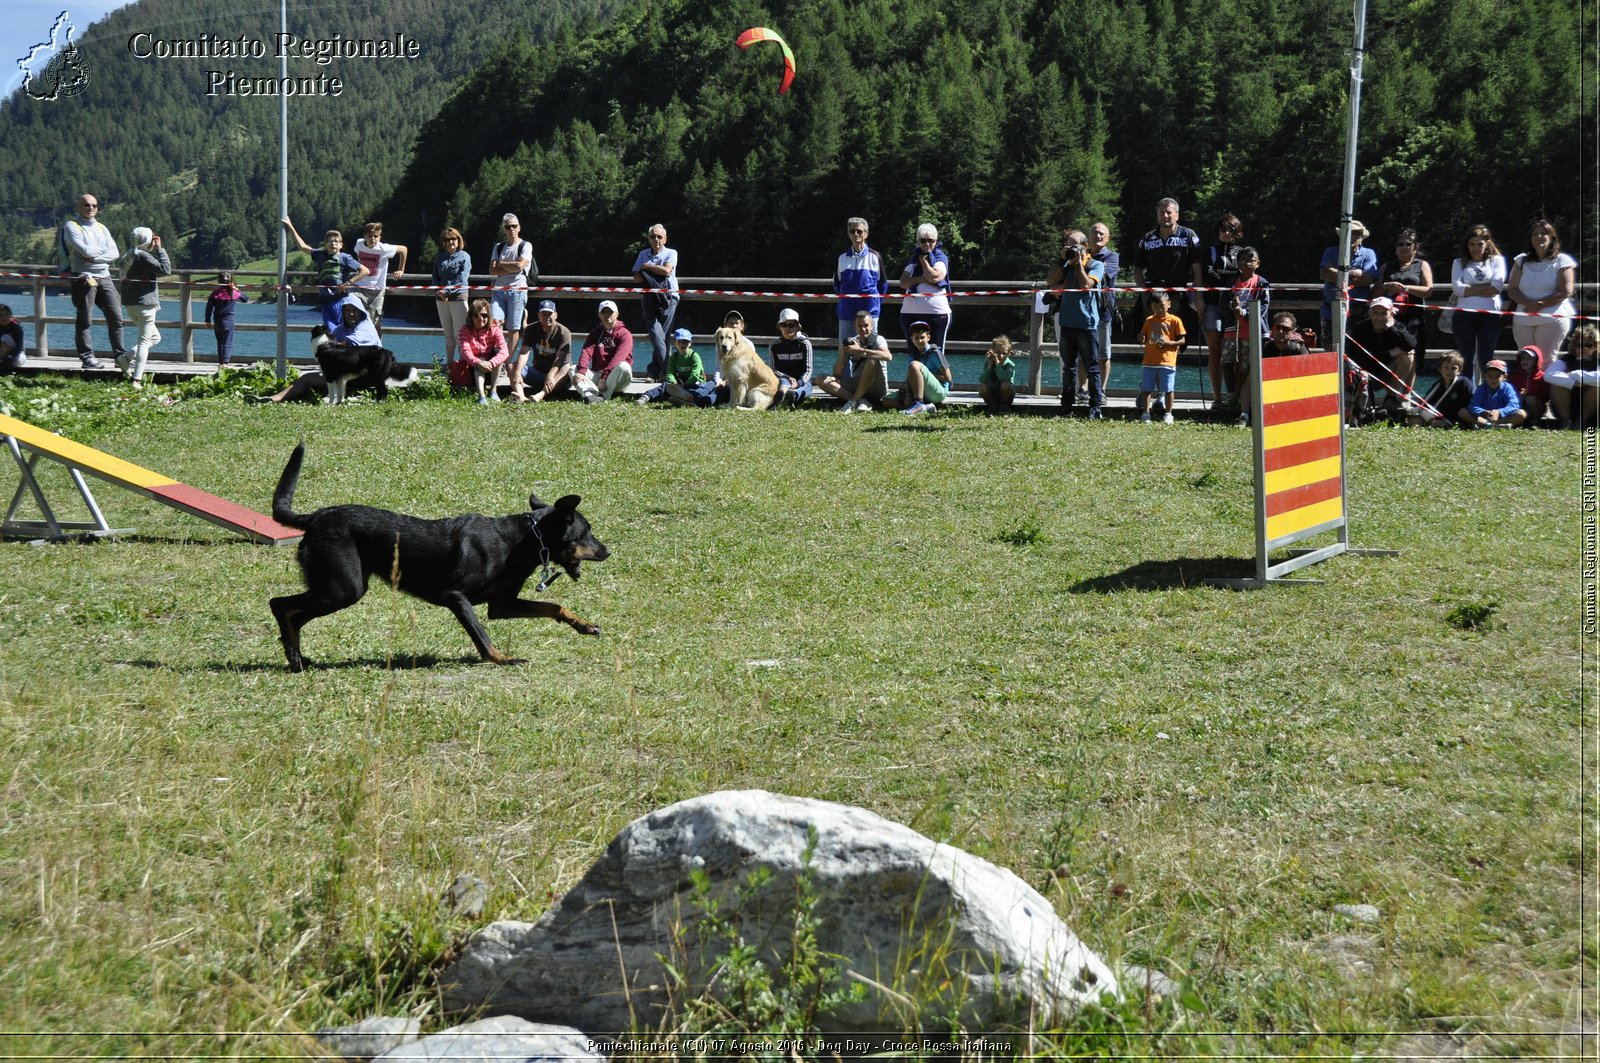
x=1347, y=206
x=283, y=197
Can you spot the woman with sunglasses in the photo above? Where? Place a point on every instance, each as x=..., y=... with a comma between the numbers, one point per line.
x=1407, y=281
x=1542, y=281
x=926, y=282
x=451, y=269
x=1222, y=270
x=483, y=351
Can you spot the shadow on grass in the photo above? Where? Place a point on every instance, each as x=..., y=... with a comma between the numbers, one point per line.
x=908, y=424
x=377, y=664
x=1166, y=575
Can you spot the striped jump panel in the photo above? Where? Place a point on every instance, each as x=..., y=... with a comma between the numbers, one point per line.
x=164, y=489
x=1302, y=446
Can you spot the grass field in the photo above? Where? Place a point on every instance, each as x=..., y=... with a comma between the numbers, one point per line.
x=993, y=630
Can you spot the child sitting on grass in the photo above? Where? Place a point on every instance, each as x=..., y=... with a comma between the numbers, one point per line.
x=1163, y=337
x=995, y=380
x=686, y=383
x=924, y=387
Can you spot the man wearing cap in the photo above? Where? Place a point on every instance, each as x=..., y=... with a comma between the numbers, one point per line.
x=858, y=272
x=656, y=268
x=1494, y=403
x=791, y=360
x=686, y=383
x=1363, y=272
x=91, y=249
x=549, y=372
x=1382, y=349
x=605, y=365
x=510, y=264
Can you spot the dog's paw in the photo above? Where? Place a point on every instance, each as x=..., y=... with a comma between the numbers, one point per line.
x=583, y=627
x=503, y=659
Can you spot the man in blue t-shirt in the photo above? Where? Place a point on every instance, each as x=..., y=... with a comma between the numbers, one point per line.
x=1078, y=321
x=1363, y=272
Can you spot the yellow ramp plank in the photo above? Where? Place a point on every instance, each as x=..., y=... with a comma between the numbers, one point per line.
x=88, y=459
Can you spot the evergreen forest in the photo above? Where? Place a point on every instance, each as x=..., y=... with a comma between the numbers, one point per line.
x=998, y=121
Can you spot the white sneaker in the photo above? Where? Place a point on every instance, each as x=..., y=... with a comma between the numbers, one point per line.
x=1167, y=417
x=863, y=406
x=1144, y=418
x=122, y=362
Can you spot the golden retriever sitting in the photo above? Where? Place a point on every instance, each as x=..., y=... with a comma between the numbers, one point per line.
x=752, y=385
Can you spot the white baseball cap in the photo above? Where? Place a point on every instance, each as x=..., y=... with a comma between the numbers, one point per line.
x=788, y=314
x=608, y=305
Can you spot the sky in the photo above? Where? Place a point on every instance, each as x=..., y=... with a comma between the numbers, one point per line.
x=28, y=22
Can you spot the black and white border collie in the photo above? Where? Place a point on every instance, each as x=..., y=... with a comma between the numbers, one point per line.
x=349, y=367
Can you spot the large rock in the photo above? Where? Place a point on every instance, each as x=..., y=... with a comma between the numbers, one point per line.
x=502, y=1039
x=899, y=909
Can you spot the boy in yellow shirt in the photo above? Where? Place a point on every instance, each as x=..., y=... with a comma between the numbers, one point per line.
x=1163, y=338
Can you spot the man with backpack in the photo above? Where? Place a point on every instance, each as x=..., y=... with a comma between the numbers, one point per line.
x=88, y=250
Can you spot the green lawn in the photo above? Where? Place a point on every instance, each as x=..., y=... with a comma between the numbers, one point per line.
x=993, y=630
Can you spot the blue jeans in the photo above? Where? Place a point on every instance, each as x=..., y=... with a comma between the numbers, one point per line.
x=1080, y=344
x=1476, y=335
x=659, y=319
x=223, y=328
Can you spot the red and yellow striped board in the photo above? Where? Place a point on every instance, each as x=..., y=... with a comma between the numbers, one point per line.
x=164, y=489
x=1302, y=446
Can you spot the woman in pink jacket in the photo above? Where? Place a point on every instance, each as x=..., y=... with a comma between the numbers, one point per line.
x=483, y=352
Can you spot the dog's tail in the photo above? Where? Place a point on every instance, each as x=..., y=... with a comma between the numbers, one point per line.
x=283, y=498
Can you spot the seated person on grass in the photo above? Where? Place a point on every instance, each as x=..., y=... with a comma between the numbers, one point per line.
x=686, y=383
x=1382, y=349
x=791, y=360
x=1163, y=337
x=1282, y=339
x=996, y=385
x=1527, y=378
x=861, y=373
x=483, y=351
x=547, y=349
x=1494, y=403
x=12, y=354
x=1447, y=398
x=927, y=380
x=605, y=365
x=1575, y=380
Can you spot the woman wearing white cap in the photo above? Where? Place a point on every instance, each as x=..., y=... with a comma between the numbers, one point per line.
x=605, y=365
x=791, y=360
x=145, y=262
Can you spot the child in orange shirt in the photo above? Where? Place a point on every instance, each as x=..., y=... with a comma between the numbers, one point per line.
x=1163, y=338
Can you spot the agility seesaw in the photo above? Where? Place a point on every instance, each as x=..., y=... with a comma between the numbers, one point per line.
x=20, y=436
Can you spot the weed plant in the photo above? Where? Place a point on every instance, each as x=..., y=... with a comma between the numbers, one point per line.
x=203, y=855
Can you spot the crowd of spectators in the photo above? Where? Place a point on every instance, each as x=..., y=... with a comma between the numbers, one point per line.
x=1185, y=290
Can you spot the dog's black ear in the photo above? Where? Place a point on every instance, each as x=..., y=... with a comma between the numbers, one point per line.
x=568, y=502
x=535, y=502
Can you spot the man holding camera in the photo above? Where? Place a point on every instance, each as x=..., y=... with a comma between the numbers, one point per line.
x=1078, y=320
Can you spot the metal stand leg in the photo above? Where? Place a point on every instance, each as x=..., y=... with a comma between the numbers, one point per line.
x=55, y=530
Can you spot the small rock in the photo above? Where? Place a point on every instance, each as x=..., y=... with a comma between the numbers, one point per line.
x=764, y=662
x=464, y=898
x=1147, y=981
x=502, y=1039
x=1361, y=913
x=370, y=1037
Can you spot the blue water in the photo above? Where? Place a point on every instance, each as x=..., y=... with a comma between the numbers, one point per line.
x=423, y=350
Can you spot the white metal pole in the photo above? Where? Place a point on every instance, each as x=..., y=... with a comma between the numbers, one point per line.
x=283, y=197
x=1347, y=205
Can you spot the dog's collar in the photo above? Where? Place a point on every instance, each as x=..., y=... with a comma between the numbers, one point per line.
x=550, y=574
